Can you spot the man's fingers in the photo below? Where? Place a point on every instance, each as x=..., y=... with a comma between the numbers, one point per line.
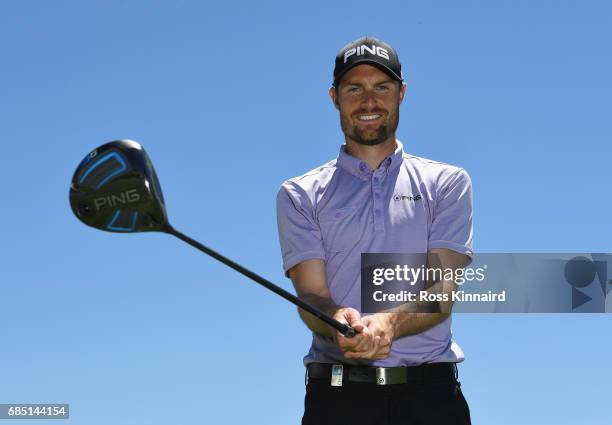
x=365, y=342
x=366, y=349
x=376, y=344
x=380, y=349
x=352, y=316
x=356, y=355
x=349, y=316
x=358, y=327
x=358, y=343
x=349, y=343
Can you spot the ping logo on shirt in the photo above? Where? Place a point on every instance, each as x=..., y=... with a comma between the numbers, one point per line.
x=407, y=197
x=360, y=50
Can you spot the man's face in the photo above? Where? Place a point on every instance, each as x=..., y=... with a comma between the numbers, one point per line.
x=368, y=101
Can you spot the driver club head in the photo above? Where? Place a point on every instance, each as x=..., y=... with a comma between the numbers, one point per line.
x=115, y=189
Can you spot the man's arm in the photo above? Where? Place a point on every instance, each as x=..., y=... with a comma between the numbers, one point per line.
x=310, y=283
x=402, y=321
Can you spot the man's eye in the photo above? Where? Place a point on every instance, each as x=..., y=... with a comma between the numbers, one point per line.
x=352, y=89
x=382, y=88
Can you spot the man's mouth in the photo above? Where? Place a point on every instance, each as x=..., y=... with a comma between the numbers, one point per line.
x=368, y=117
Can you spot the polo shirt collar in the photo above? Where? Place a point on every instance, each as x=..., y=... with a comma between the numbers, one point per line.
x=362, y=170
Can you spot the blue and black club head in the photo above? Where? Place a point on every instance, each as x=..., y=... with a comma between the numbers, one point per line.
x=115, y=188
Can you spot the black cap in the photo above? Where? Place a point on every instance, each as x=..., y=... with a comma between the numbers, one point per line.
x=368, y=50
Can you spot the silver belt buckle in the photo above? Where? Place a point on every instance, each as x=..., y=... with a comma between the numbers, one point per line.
x=390, y=375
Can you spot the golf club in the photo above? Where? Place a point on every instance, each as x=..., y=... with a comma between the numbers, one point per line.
x=115, y=189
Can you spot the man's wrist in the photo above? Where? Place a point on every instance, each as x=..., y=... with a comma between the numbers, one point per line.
x=405, y=324
x=332, y=311
x=389, y=324
x=394, y=325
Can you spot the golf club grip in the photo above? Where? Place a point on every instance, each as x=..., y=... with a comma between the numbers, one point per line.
x=345, y=330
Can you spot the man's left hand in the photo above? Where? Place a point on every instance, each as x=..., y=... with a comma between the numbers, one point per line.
x=380, y=326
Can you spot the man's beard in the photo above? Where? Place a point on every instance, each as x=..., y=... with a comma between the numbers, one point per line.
x=385, y=130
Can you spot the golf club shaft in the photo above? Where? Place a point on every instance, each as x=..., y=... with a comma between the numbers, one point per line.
x=340, y=327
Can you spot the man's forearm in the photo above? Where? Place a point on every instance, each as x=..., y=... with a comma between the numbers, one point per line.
x=404, y=324
x=416, y=317
x=314, y=324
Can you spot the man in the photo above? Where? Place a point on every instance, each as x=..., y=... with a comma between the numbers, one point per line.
x=374, y=198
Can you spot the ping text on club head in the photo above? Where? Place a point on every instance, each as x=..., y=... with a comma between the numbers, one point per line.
x=122, y=198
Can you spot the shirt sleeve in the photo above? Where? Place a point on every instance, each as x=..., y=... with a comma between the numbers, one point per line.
x=298, y=231
x=451, y=226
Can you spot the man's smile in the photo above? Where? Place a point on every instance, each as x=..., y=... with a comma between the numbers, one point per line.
x=368, y=117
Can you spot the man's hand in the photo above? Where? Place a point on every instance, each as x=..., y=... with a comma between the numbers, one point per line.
x=372, y=341
x=380, y=325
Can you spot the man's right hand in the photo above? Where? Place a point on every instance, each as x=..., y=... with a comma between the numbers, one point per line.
x=365, y=344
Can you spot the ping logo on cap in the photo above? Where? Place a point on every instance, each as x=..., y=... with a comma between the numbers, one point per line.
x=360, y=50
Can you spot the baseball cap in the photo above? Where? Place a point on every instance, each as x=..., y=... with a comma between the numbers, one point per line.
x=367, y=50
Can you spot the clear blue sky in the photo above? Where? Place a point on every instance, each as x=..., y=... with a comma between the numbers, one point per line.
x=230, y=99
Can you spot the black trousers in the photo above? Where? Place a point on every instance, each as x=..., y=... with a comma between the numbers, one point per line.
x=434, y=402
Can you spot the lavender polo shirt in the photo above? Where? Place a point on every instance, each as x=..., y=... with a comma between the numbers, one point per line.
x=343, y=208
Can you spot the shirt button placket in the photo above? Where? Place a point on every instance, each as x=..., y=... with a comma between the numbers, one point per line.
x=379, y=222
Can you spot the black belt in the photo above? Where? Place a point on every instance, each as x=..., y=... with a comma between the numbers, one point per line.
x=382, y=375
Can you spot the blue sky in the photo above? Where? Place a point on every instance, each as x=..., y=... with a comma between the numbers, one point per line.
x=230, y=99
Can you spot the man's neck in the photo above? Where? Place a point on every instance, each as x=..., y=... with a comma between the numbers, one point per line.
x=372, y=155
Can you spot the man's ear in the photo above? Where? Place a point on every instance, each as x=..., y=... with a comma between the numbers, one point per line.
x=333, y=94
x=402, y=92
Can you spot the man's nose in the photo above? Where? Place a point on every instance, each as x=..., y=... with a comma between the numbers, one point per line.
x=369, y=99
